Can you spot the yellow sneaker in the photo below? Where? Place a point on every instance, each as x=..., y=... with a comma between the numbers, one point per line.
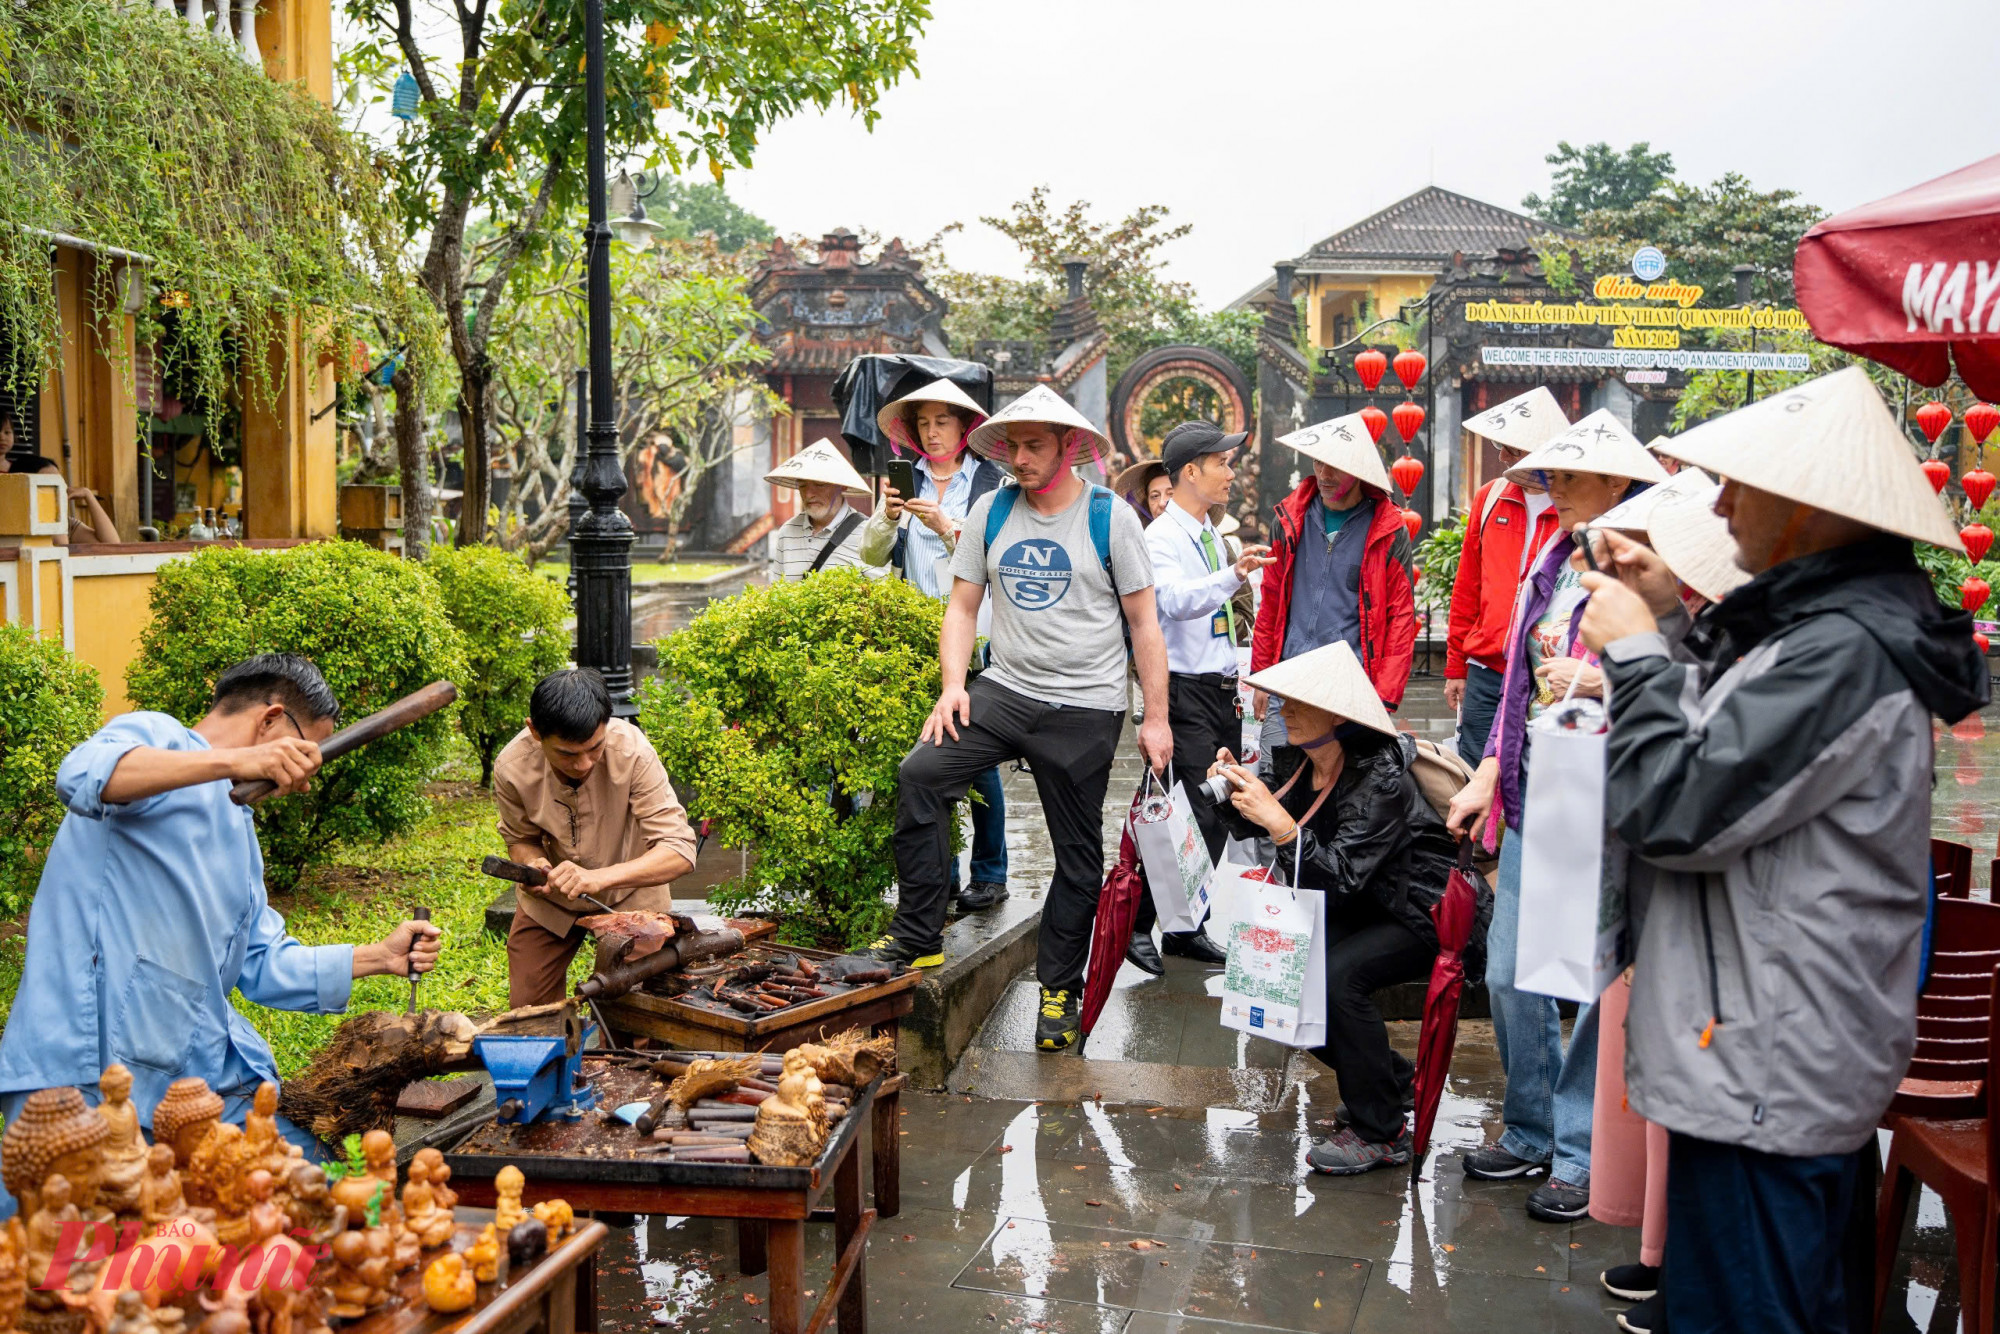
x=1057, y=1029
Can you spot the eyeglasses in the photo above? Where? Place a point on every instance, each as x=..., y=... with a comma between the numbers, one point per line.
x=294, y=722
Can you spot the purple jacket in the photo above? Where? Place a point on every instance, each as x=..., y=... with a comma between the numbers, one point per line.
x=1509, y=738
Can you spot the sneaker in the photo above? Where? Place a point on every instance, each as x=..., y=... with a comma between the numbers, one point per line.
x=1558, y=1202
x=1346, y=1154
x=1141, y=953
x=1194, y=945
x=1635, y=1283
x=891, y=950
x=1648, y=1317
x=981, y=895
x=1057, y=1028
x=1494, y=1163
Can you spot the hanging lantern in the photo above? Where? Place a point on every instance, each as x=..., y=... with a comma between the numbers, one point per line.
x=1978, y=485
x=1413, y=522
x=404, y=97
x=1932, y=418
x=1972, y=594
x=1985, y=646
x=1978, y=539
x=1980, y=419
x=1938, y=471
x=1407, y=472
x=1369, y=366
x=1409, y=420
x=1375, y=420
x=1410, y=368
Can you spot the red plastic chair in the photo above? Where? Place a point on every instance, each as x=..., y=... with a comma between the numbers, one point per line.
x=1953, y=864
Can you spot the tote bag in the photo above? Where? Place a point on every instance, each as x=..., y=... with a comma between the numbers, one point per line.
x=1174, y=854
x=1274, y=982
x=1572, y=940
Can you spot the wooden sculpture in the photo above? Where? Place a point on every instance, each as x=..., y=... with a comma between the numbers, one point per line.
x=508, y=1184
x=184, y=1117
x=422, y=1218
x=160, y=1194
x=359, y=1281
x=851, y=1058
x=707, y=1077
x=13, y=1275
x=483, y=1255
x=269, y=1150
x=448, y=1285
x=52, y=1310
x=440, y=1177
x=56, y=1132
x=791, y=1125
x=558, y=1217
x=527, y=1243
x=215, y=1179
x=125, y=1147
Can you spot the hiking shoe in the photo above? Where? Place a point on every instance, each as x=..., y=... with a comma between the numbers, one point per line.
x=1056, y=1030
x=1648, y=1317
x=1494, y=1163
x=891, y=950
x=1141, y=954
x=1635, y=1283
x=1346, y=1154
x=1558, y=1202
x=981, y=895
x=1194, y=945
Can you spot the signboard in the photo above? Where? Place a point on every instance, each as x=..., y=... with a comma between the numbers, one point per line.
x=1648, y=263
x=1643, y=359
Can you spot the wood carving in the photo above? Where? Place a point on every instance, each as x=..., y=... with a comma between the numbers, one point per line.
x=440, y=1177
x=214, y=1179
x=508, y=1184
x=709, y=1078
x=558, y=1217
x=125, y=1148
x=448, y=1285
x=185, y=1115
x=422, y=1218
x=484, y=1255
x=791, y=1126
x=359, y=1281
x=527, y=1243
x=56, y=1132
x=53, y=1310
x=13, y=1274
x=352, y=1084
x=160, y=1194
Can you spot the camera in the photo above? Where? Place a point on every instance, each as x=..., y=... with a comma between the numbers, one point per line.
x=1219, y=788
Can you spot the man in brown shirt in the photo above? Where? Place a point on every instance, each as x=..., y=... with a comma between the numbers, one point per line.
x=585, y=796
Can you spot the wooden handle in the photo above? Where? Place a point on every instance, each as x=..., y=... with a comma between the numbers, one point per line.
x=410, y=708
x=502, y=869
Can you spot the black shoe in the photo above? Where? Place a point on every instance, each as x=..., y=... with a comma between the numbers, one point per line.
x=981, y=895
x=1558, y=1202
x=1648, y=1317
x=1139, y=952
x=1346, y=1154
x=1635, y=1283
x=1494, y=1163
x=1057, y=1029
x=1194, y=945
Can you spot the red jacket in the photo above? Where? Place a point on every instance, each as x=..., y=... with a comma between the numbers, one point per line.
x=1388, y=599
x=1489, y=576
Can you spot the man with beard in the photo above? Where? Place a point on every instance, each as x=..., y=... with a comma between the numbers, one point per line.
x=826, y=532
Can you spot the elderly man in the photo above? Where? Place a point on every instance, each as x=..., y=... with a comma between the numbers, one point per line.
x=1072, y=572
x=826, y=532
x=1777, y=790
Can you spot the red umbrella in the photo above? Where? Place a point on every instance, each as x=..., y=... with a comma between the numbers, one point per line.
x=1453, y=916
x=1117, y=905
x=1910, y=280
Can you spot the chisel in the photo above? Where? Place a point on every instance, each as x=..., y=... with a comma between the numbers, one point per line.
x=534, y=876
x=420, y=915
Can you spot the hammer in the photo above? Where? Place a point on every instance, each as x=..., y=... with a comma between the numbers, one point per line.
x=533, y=876
x=418, y=704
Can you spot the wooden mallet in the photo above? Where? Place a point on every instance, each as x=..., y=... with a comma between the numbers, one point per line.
x=410, y=708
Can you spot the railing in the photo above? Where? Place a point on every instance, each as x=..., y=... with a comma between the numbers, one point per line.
x=239, y=30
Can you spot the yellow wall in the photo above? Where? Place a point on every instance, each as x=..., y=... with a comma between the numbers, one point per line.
x=109, y=613
x=1334, y=294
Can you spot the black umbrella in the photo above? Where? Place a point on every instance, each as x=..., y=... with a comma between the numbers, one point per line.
x=869, y=382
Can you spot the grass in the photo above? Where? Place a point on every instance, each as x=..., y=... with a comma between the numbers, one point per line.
x=656, y=572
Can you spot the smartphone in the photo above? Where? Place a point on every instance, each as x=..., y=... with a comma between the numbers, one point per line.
x=903, y=476
x=1587, y=539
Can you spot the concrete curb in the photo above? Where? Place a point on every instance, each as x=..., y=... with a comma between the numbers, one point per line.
x=982, y=959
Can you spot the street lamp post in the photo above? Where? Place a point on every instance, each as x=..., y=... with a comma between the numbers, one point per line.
x=600, y=543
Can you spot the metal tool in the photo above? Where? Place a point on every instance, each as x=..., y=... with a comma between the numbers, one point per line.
x=419, y=915
x=534, y=877
x=410, y=708
x=538, y=1078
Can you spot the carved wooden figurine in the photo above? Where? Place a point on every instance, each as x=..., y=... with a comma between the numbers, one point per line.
x=215, y=1178
x=54, y=1310
x=160, y=1195
x=56, y=1132
x=185, y=1115
x=13, y=1274
x=309, y=1206
x=791, y=1124
x=508, y=1184
x=527, y=1243
x=440, y=1177
x=431, y=1225
x=484, y=1255
x=125, y=1148
x=448, y=1285
x=558, y=1217
x=359, y=1281
x=270, y=1150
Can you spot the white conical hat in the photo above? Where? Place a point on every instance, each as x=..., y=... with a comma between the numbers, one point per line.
x=1600, y=444
x=890, y=419
x=1040, y=404
x=1329, y=677
x=1695, y=543
x=1343, y=443
x=1525, y=421
x=818, y=462
x=1829, y=443
x=1631, y=516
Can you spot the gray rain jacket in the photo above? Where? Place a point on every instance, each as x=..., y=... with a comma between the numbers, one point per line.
x=1776, y=800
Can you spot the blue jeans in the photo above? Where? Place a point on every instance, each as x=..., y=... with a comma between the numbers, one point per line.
x=1475, y=716
x=989, y=830
x=1550, y=1093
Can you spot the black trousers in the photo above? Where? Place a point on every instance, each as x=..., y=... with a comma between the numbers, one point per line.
x=1368, y=949
x=1070, y=751
x=1204, y=719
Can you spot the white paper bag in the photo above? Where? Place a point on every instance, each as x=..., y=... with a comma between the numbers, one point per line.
x=1176, y=859
x=1274, y=985
x=1572, y=938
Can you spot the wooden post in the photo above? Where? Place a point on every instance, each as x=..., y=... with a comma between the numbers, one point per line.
x=788, y=1269
x=853, y=1309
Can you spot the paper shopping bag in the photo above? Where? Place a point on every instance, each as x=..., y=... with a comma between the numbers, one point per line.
x=1175, y=857
x=1274, y=984
x=1572, y=939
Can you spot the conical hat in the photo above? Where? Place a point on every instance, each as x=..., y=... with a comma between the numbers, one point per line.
x=1631, y=516
x=890, y=419
x=1829, y=443
x=1525, y=421
x=1228, y=526
x=817, y=462
x=1600, y=444
x=1330, y=678
x=1695, y=543
x=1140, y=475
x=1040, y=404
x=1343, y=443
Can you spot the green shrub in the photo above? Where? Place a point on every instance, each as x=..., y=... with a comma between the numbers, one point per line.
x=49, y=703
x=514, y=627
x=775, y=703
x=374, y=625
x=1436, y=559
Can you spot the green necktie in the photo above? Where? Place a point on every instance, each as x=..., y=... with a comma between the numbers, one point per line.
x=1214, y=564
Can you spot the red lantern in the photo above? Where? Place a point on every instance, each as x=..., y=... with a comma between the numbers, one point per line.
x=1410, y=368
x=1407, y=472
x=1978, y=539
x=1978, y=485
x=1370, y=365
x=1375, y=420
x=1980, y=419
x=1932, y=418
x=1414, y=522
x=1972, y=594
x=1985, y=646
x=1938, y=471
x=1409, y=419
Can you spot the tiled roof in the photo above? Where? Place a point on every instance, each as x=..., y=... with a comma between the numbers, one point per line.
x=1420, y=233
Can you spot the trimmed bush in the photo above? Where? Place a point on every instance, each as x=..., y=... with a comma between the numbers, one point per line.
x=377, y=629
x=775, y=704
x=515, y=631
x=49, y=704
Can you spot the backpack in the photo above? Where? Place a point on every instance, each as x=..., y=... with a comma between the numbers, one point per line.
x=1101, y=501
x=1440, y=773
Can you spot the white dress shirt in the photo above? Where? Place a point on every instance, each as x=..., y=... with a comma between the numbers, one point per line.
x=1190, y=596
x=795, y=546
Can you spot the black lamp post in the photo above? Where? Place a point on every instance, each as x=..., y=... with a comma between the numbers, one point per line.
x=600, y=542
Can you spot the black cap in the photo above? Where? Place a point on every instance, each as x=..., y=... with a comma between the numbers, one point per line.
x=1190, y=440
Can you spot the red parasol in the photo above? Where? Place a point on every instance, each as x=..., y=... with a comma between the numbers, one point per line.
x=1911, y=280
x=1117, y=906
x=1453, y=917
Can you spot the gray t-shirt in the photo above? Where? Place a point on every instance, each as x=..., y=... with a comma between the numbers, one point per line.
x=1057, y=625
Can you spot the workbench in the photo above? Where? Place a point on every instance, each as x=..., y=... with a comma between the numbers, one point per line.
x=557, y=1295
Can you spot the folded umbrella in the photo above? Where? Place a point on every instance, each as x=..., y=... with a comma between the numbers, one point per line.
x=1453, y=917
x=1117, y=906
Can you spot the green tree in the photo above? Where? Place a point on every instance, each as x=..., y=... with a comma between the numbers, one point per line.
x=686, y=209
x=515, y=627
x=1598, y=176
x=1706, y=231
x=49, y=704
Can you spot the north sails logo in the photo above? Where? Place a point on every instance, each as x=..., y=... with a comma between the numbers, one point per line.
x=1034, y=574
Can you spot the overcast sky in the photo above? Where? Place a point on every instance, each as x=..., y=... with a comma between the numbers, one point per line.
x=1269, y=124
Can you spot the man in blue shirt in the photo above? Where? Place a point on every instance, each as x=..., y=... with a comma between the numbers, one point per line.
x=151, y=909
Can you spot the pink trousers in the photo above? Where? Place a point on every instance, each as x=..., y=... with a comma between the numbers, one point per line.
x=1628, y=1154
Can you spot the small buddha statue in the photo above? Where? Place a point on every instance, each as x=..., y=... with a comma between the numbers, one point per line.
x=431, y=1225
x=160, y=1196
x=483, y=1255
x=359, y=1280
x=125, y=1149
x=185, y=1115
x=309, y=1208
x=56, y=1132
x=44, y=1233
x=508, y=1184
x=791, y=1125
x=268, y=1149
x=440, y=1177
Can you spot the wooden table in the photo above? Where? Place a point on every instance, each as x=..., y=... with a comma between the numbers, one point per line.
x=558, y=1295
x=770, y=1205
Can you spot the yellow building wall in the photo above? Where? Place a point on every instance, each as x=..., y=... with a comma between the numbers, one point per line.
x=1329, y=296
x=109, y=611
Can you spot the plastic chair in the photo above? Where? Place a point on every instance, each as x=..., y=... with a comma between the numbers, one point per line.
x=1956, y=1158
x=1947, y=1073
x=1952, y=864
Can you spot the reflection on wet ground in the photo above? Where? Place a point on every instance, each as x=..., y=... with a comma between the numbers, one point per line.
x=1156, y=1181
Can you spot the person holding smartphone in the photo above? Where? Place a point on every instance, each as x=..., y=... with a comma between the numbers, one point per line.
x=931, y=489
